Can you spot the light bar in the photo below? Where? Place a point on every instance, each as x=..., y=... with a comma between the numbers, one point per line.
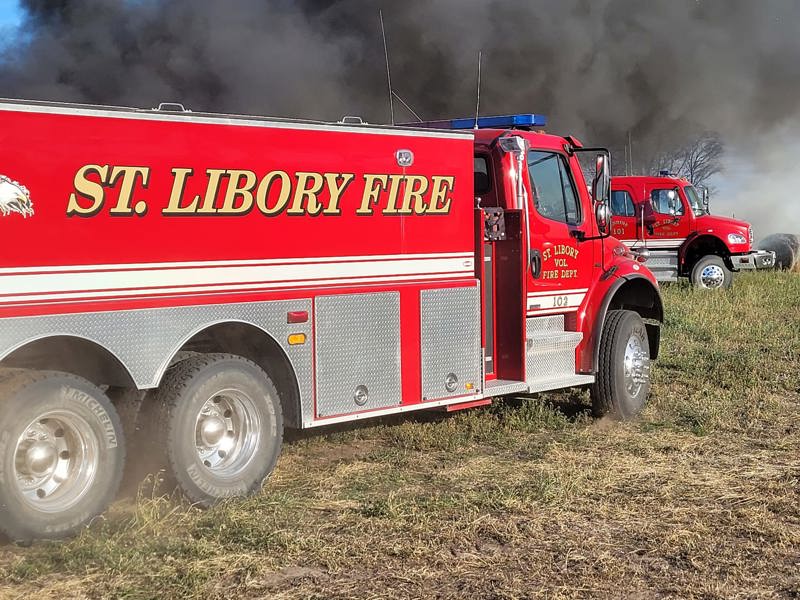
x=498, y=122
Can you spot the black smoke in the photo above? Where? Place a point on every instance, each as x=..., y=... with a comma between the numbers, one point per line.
x=660, y=71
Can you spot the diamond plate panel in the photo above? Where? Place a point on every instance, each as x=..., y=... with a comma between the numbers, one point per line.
x=146, y=340
x=539, y=325
x=357, y=344
x=549, y=353
x=663, y=260
x=451, y=341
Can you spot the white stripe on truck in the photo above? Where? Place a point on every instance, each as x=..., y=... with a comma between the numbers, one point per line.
x=98, y=281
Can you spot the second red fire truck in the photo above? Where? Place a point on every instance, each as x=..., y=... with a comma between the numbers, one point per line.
x=667, y=220
x=211, y=279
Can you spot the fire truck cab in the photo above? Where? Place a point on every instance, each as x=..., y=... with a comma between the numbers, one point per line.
x=184, y=285
x=667, y=220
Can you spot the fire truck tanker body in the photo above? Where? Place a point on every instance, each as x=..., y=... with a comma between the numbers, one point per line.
x=205, y=280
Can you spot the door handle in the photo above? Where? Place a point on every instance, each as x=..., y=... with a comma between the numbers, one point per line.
x=536, y=263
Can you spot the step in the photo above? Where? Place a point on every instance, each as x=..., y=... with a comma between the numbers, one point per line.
x=560, y=382
x=537, y=325
x=550, y=363
x=549, y=350
x=662, y=260
x=663, y=273
x=503, y=387
x=553, y=340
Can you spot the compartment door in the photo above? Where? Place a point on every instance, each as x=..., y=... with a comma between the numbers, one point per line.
x=450, y=329
x=357, y=352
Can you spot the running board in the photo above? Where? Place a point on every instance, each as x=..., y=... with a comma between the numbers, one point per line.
x=567, y=381
x=502, y=387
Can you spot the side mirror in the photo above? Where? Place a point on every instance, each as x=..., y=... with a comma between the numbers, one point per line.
x=602, y=179
x=706, y=199
x=602, y=215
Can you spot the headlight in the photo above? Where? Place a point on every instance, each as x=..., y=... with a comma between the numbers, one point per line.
x=735, y=238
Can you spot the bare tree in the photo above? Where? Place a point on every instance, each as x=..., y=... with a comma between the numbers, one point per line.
x=697, y=160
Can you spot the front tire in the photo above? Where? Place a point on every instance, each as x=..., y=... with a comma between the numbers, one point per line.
x=62, y=454
x=220, y=420
x=623, y=377
x=711, y=273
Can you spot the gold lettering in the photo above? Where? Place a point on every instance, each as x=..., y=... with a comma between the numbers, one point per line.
x=262, y=193
x=396, y=183
x=440, y=201
x=129, y=176
x=212, y=189
x=336, y=190
x=174, y=207
x=240, y=184
x=85, y=188
x=416, y=186
x=304, y=191
x=371, y=192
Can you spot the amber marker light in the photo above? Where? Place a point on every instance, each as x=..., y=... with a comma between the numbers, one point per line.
x=296, y=339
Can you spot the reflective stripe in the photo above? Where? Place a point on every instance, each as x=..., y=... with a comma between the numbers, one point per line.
x=100, y=281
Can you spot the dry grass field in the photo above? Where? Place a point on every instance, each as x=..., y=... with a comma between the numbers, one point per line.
x=699, y=498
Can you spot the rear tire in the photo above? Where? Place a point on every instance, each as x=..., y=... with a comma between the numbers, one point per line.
x=623, y=376
x=711, y=273
x=62, y=454
x=219, y=418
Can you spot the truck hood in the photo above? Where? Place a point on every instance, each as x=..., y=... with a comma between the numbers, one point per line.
x=721, y=224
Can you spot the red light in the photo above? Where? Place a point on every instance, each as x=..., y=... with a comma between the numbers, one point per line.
x=297, y=316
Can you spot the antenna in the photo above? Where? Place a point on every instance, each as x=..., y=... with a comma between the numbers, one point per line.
x=408, y=108
x=388, y=72
x=630, y=150
x=478, y=102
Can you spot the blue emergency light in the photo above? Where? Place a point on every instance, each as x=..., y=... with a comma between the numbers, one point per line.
x=498, y=122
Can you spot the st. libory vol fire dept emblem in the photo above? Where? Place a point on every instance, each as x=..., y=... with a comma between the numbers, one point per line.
x=14, y=198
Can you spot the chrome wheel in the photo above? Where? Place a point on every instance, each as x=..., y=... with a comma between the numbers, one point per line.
x=712, y=277
x=636, y=366
x=227, y=433
x=55, y=461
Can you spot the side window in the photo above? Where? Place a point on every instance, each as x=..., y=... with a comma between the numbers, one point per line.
x=483, y=182
x=554, y=194
x=664, y=200
x=622, y=204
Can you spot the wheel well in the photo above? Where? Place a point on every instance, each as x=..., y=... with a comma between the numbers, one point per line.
x=71, y=354
x=640, y=296
x=254, y=344
x=700, y=247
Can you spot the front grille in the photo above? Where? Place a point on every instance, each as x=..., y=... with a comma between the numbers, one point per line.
x=750, y=231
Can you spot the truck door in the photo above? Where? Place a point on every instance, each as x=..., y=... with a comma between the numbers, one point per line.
x=667, y=218
x=560, y=269
x=624, y=222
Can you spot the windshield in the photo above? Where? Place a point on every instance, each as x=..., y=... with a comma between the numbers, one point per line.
x=695, y=201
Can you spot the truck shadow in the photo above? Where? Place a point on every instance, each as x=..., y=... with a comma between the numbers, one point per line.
x=573, y=404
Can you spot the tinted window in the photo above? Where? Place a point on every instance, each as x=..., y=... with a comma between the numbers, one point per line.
x=664, y=200
x=554, y=194
x=482, y=181
x=622, y=204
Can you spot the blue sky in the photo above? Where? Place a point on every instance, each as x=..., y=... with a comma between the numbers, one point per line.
x=10, y=13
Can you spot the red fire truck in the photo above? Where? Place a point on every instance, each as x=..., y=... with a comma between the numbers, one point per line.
x=221, y=277
x=667, y=220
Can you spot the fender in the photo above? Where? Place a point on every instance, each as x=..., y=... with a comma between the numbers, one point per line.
x=656, y=310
